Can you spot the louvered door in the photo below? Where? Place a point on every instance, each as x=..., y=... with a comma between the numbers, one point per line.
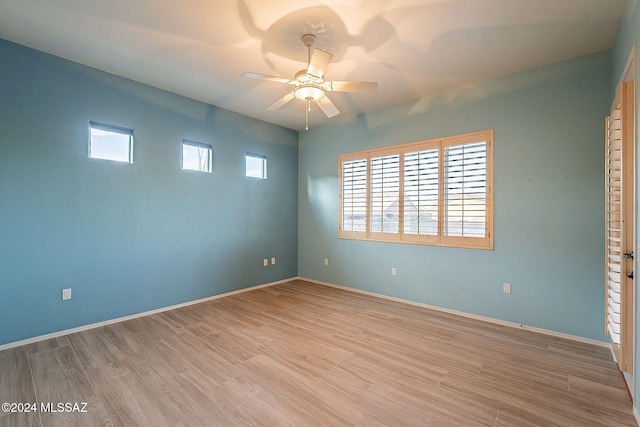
x=614, y=227
x=619, y=190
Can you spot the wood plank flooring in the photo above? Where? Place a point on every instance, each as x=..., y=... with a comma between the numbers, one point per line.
x=301, y=354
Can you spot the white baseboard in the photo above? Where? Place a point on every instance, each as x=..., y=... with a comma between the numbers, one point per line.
x=636, y=414
x=133, y=316
x=468, y=315
x=185, y=304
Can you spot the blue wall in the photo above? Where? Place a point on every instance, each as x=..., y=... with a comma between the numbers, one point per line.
x=131, y=238
x=128, y=238
x=549, y=127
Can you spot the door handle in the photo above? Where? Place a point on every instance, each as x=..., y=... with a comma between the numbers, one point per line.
x=629, y=255
x=630, y=275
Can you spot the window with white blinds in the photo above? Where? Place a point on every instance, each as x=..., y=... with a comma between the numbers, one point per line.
x=465, y=189
x=384, y=193
x=435, y=192
x=421, y=194
x=353, y=206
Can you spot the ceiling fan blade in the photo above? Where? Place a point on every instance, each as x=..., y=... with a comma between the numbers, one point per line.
x=346, y=86
x=266, y=77
x=280, y=102
x=327, y=107
x=319, y=62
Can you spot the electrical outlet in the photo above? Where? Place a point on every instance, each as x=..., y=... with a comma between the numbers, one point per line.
x=273, y=260
x=66, y=294
x=326, y=261
x=394, y=272
x=506, y=288
x=266, y=262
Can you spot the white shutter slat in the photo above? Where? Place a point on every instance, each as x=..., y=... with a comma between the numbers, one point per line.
x=614, y=331
x=613, y=168
x=615, y=327
x=614, y=292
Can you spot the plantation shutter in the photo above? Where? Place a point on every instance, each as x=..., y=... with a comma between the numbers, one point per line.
x=421, y=194
x=466, y=192
x=353, y=201
x=432, y=192
x=384, y=196
x=614, y=225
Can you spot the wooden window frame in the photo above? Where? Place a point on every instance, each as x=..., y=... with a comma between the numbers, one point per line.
x=440, y=238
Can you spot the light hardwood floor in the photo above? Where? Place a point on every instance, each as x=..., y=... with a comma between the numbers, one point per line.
x=301, y=354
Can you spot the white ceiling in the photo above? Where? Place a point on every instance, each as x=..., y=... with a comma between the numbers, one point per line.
x=412, y=48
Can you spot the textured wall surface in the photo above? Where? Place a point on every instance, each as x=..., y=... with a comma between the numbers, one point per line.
x=549, y=238
x=128, y=238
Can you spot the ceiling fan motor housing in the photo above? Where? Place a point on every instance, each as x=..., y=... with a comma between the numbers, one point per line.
x=308, y=39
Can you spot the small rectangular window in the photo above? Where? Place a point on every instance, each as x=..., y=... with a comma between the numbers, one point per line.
x=196, y=156
x=110, y=142
x=256, y=165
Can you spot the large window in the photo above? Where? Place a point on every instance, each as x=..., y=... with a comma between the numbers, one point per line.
x=436, y=192
x=110, y=142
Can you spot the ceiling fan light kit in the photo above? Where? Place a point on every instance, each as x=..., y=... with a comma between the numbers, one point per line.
x=310, y=85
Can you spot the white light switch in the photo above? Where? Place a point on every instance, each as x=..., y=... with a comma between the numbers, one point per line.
x=66, y=293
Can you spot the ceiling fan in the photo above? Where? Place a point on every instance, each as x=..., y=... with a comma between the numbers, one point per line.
x=310, y=84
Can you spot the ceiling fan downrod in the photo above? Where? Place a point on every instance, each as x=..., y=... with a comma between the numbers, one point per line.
x=308, y=40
